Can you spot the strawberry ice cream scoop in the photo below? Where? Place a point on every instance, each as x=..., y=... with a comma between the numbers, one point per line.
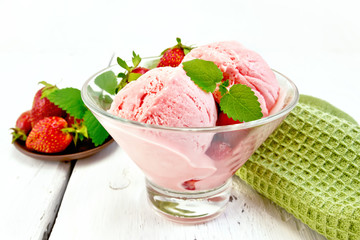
x=241, y=66
x=166, y=96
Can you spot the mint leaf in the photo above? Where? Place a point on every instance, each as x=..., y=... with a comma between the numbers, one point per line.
x=204, y=73
x=96, y=131
x=69, y=99
x=223, y=87
x=100, y=98
x=241, y=104
x=107, y=81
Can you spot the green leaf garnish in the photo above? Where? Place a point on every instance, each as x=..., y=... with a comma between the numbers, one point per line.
x=96, y=131
x=241, y=104
x=107, y=81
x=204, y=73
x=100, y=98
x=69, y=99
x=223, y=87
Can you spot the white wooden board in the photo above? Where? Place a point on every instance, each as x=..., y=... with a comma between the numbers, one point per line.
x=32, y=191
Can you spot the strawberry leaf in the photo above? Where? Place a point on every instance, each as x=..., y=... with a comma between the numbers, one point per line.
x=48, y=89
x=107, y=81
x=122, y=64
x=121, y=85
x=121, y=75
x=204, y=73
x=241, y=104
x=96, y=131
x=136, y=59
x=69, y=99
x=133, y=76
x=186, y=50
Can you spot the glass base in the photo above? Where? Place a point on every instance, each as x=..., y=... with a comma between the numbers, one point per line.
x=189, y=207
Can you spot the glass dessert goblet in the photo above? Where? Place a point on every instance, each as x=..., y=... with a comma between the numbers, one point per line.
x=188, y=171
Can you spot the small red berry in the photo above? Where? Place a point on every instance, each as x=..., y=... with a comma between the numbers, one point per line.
x=42, y=107
x=224, y=120
x=23, y=122
x=22, y=127
x=173, y=56
x=190, y=184
x=48, y=135
x=140, y=70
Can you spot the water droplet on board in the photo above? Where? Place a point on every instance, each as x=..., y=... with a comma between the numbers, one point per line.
x=119, y=182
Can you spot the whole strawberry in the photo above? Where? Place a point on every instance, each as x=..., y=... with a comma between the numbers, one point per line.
x=224, y=120
x=42, y=107
x=49, y=135
x=140, y=70
x=22, y=127
x=173, y=56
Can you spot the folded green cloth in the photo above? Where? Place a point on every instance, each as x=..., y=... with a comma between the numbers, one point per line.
x=310, y=166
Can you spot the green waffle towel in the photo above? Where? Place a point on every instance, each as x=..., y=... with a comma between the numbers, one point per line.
x=310, y=166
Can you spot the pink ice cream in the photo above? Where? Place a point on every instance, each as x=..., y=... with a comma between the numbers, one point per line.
x=241, y=65
x=168, y=97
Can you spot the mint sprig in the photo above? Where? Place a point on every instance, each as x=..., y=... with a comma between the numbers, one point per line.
x=69, y=99
x=205, y=74
x=223, y=87
x=238, y=103
x=107, y=81
x=241, y=104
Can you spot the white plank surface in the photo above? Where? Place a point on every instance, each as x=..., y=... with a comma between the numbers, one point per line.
x=31, y=195
x=106, y=199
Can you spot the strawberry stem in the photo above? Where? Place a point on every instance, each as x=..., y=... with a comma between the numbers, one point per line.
x=18, y=134
x=77, y=131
